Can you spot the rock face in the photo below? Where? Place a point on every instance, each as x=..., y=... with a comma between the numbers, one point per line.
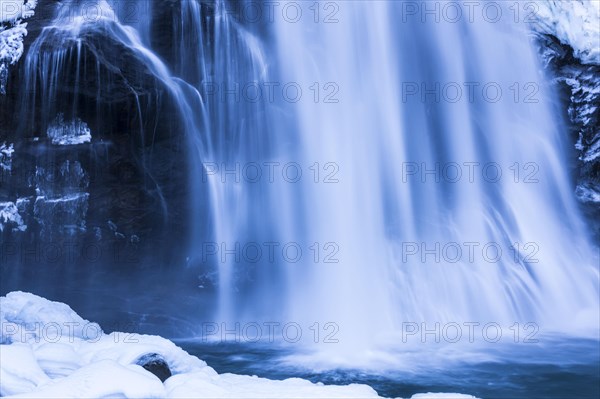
x=582, y=83
x=99, y=112
x=94, y=160
x=568, y=37
x=12, y=33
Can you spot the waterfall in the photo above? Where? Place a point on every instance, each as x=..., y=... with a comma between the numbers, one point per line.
x=401, y=145
x=425, y=195
x=440, y=208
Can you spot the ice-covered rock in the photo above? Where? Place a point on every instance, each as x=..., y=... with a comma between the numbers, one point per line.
x=15, y=10
x=69, y=132
x=60, y=203
x=3, y=76
x=12, y=32
x=23, y=204
x=574, y=22
x=29, y=318
x=587, y=193
x=10, y=217
x=65, y=214
x=11, y=43
x=55, y=180
x=568, y=34
x=6, y=151
x=49, y=351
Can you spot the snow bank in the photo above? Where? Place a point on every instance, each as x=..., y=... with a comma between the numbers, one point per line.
x=441, y=396
x=49, y=351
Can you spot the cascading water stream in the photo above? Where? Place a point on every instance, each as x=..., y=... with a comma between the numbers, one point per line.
x=226, y=61
x=384, y=139
x=386, y=150
x=374, y=136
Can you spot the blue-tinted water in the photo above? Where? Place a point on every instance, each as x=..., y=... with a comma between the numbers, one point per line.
x=557, y=369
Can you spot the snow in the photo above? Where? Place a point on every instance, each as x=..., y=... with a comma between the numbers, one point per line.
x=23, y=314
x=9, y=216
x=12, y=32
x=11, y=43
x=213, y=385
x=587, y=193
x=22, y=376
x=14, y=10
x=70, y=132
x=573, y=22
x=48, y=351
x=441, y=396
x=105, y=378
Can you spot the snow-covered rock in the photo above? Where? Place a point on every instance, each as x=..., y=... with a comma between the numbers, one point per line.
x=15, y=10
x=29, y=318
x=20, y=376
x=6, y=151
x=69, y=132
x=12, y=32
x=49, y=351
x=60, y=204
x=568, y=34
x=573, y=22
x=64, y=214
x=588, y=193
x=10, y=217
x=11, y=43
x=61, y=179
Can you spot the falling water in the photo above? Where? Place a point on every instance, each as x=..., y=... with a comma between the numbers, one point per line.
x=397, y=145
x=387, y=152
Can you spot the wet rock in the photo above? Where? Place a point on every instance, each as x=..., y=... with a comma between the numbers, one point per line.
x=108, y=143
x=156, y=364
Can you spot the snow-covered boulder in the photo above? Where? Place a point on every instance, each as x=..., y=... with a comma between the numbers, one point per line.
x=29, y=318
x=49, y=351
